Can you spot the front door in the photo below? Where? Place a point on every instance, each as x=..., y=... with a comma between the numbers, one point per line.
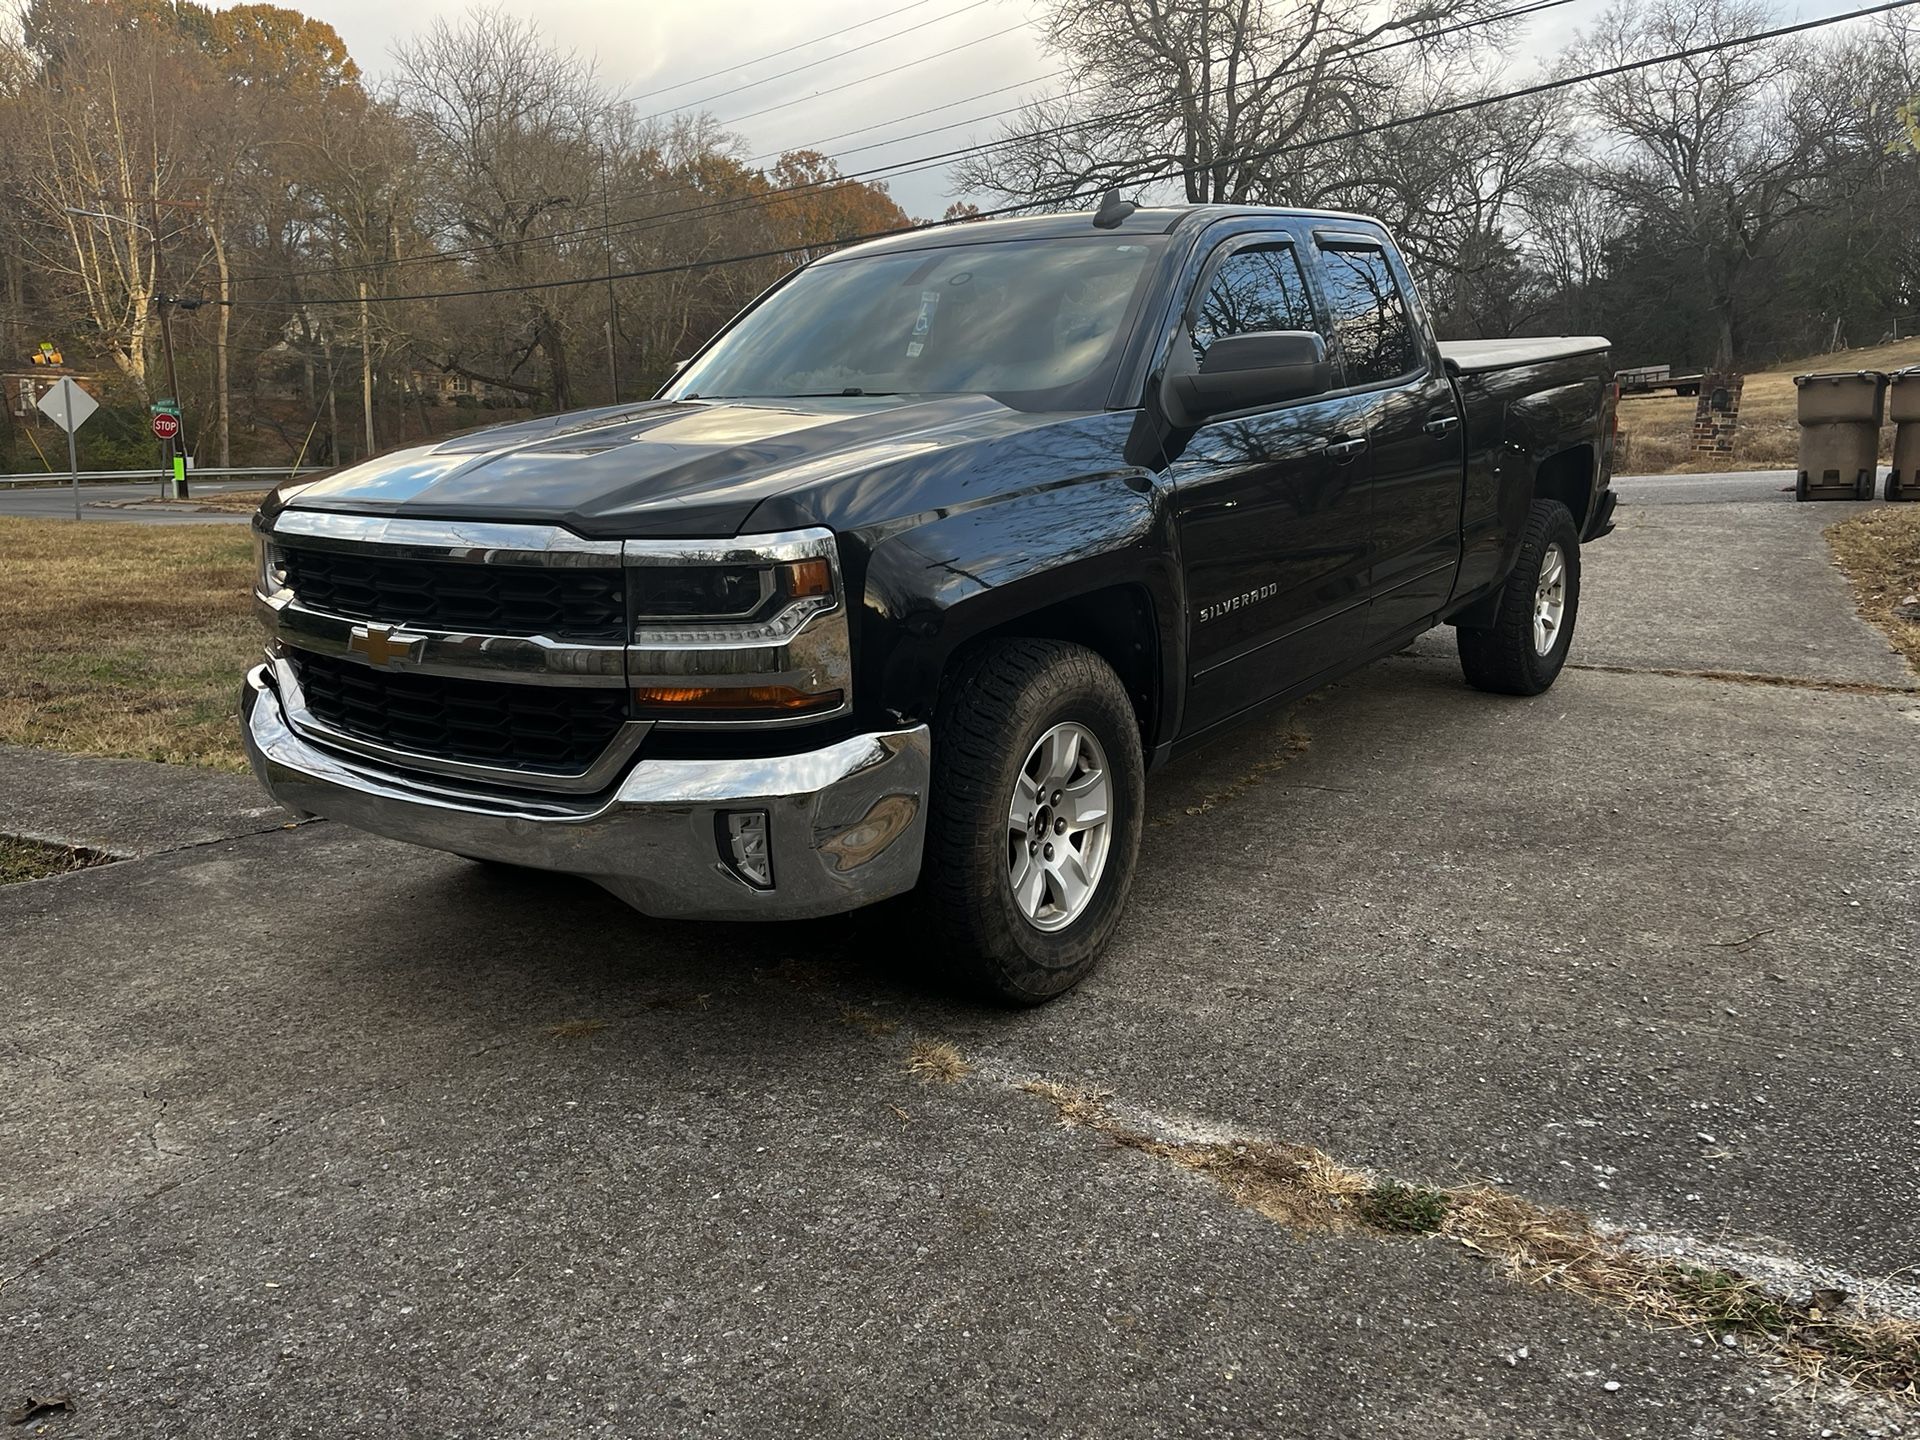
x=1272, y=505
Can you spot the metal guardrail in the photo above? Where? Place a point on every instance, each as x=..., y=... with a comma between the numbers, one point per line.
x=270, y=473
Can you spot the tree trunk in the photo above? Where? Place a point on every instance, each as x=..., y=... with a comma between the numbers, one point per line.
x=556, y=352
x=333, y=410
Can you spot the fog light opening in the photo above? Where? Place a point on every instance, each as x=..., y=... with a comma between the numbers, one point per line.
x=746, y=845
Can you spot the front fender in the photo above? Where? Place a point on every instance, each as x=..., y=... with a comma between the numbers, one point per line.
x=936, y=582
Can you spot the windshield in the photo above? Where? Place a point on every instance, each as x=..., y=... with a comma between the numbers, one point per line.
x=1036, y=324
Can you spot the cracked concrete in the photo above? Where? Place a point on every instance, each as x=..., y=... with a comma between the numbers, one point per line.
x=405, y=1187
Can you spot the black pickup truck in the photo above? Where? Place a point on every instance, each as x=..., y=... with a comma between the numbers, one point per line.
x=918, y=567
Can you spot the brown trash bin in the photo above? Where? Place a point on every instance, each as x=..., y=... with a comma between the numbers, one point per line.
x=1839, y=434
x=1903, y=409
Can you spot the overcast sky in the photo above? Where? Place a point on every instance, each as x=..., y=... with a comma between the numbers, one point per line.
x=941, y=51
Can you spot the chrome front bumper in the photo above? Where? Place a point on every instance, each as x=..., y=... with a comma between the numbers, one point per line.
x=846, y=823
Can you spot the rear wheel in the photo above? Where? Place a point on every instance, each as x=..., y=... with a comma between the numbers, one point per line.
x=1523, y=650
x=1034, y=817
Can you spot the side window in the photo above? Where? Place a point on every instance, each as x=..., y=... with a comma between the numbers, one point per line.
x=1369, y=314
x=1255, y=289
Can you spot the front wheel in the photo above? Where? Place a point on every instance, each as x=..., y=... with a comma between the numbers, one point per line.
x=1522, y=651
x=1034, y=817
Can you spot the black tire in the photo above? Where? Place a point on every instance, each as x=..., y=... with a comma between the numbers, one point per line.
x=1863, y=485
x=1502, y=657
x=1894, y=488
x=1800, y=486
x=995, y=707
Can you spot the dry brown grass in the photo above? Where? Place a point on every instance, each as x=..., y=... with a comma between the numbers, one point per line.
x=1296, y=1185
x=1747, y=677
x=22, y=859
x=125, y=639
x=937, y=1062
x=874, y=1025
x=1660, y=426
x=1289, y=748
x=1880, y=553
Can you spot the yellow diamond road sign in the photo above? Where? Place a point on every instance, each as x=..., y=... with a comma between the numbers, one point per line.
x=67, y=405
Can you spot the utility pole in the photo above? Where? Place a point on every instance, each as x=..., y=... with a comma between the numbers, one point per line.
x=164, y=303
x=613, y=302
x=366, y=369
x=172, y=460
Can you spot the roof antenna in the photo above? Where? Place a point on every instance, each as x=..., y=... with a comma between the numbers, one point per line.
x=1112, y=210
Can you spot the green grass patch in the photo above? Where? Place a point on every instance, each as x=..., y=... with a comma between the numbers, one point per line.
x=1403, y=1209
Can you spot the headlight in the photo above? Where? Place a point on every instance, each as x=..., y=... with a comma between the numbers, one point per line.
x=745, y=632
x=269, y=570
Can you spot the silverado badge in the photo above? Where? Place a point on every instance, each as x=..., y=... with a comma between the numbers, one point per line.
x=382, y=645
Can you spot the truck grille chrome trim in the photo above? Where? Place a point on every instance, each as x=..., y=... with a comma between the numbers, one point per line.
x=512, y=659
x=611, y=761
x=468, y=542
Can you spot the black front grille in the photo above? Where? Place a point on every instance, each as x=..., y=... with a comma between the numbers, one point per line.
x=561, y=602
x=542, y=729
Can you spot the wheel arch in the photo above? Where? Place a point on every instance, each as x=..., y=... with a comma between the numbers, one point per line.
x=1094, y=563
x=1571, y=477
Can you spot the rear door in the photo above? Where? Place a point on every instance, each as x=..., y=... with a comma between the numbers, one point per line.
x=1271, y=503
x=1412, y=424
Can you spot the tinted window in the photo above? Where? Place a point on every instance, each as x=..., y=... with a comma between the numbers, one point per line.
x=1369, y=315
x=1258, y=289
x=1037, y=324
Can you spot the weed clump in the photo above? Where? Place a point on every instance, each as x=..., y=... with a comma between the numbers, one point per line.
x=1404, y=1209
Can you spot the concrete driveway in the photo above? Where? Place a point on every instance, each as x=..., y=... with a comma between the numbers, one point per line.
x=313, y=1134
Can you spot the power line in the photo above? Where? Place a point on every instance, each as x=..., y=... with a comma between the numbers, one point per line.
x=471, y=250
x=777, y=54
x=896, y=168
x=912, y=115
x=825, y=59
x=1246, y=157
x=876, y=75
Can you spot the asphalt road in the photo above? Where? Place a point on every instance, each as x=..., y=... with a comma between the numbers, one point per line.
x=109, y=502
x=309, y=1133
x=1736, y=486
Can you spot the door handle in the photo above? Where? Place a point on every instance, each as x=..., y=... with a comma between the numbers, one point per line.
x=1441, y=424
x=1343, y=450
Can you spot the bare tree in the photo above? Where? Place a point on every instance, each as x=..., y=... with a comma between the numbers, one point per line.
x=1708, y=151
x=511, y=133
x=1195, y=90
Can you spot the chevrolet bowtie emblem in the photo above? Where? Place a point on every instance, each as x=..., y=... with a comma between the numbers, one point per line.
x=382, y=645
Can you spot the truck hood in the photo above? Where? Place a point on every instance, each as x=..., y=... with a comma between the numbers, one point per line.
x=666, y=468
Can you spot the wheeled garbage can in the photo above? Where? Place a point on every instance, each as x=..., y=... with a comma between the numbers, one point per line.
x=1839, y=434
x=1903, y=409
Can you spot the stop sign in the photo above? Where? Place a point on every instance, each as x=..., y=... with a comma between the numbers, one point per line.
x=165, y=426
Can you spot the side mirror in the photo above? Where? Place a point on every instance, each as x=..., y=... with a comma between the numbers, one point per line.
x=1241, y=372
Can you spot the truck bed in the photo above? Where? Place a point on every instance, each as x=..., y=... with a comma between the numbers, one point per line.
x=1468, y=357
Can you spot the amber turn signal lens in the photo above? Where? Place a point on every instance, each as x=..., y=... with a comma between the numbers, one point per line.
x=780, y=699
x=809, y=577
